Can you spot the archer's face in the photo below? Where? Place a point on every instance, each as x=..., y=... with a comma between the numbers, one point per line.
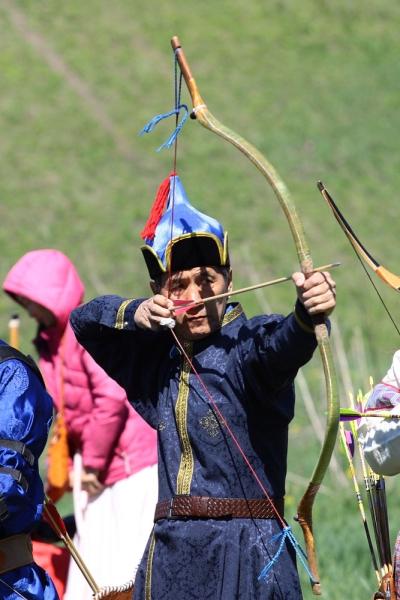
x=195, y=284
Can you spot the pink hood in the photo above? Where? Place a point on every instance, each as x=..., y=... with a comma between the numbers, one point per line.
x=49, y=278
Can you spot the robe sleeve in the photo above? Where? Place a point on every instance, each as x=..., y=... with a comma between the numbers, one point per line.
x=276, y=348
x=105, y=328
x=25, y=416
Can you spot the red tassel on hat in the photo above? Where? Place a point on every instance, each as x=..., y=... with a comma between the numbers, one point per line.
x=157, y=210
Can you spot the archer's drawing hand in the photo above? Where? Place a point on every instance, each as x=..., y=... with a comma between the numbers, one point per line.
x=317, y=293
x=154, y=313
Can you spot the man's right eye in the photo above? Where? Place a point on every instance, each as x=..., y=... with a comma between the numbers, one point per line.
x=178, y=287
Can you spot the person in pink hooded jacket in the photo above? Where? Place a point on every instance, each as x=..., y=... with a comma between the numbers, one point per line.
x=114, y=450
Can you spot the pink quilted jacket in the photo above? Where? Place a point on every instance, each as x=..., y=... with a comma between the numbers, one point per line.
x=101, y=423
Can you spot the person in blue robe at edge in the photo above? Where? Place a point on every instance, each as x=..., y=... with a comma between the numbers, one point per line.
x=210, y=540
x=26, y=413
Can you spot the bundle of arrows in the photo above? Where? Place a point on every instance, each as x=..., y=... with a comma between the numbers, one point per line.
x=380, y=550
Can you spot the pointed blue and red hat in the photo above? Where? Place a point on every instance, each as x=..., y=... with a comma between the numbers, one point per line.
x=182, y=237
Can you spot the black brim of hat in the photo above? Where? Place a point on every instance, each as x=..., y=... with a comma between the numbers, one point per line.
x=186, y=254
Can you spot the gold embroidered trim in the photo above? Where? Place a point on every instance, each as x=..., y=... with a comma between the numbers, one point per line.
x=149, y=566
x=300, y=322
x=231, y=315
x=186, y=467
x=119, y=322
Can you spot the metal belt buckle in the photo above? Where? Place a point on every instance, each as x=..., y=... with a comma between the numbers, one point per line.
x=171, y=517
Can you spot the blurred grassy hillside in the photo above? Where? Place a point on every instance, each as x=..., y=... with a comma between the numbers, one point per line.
x=314, y=85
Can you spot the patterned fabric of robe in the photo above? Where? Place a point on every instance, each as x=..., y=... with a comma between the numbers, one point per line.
x=249, y=367
x=26, y=412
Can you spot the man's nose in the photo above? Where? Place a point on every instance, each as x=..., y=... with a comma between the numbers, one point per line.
x=193, y=292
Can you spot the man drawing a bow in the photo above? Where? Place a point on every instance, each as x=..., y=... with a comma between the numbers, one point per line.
x=220, y=392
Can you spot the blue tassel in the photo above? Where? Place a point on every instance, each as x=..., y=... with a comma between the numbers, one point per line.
x=151, y=125
x=178, y=106
x=286, y=533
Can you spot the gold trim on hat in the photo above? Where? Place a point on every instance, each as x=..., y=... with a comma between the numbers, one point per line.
x=154, y=253
x=222, y=249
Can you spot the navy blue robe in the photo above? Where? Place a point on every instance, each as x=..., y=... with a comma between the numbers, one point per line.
x=248, y=366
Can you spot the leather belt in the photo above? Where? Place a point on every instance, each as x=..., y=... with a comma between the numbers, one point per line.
x=15, y=551
x=181, y=507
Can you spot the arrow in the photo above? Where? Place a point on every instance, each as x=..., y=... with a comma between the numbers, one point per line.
x=348, y=414
x=185, y=305
x=347, y=451
x=388, y=277
x=361, y=252
x=53, y=518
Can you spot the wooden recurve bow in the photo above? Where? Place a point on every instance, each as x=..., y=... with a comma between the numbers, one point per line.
x=205, y=118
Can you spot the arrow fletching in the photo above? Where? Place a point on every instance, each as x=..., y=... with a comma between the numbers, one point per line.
x=53, y=518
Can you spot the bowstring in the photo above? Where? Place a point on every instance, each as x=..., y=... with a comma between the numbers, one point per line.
x=178, y=89
x=376, y=289
x=181, y=348
x=12, y=589
x=286, y=530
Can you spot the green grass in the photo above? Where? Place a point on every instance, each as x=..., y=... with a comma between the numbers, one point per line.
x=314, y=85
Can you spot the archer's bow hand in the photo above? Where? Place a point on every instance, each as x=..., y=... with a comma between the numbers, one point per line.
x=317, y=293
x=154, y=313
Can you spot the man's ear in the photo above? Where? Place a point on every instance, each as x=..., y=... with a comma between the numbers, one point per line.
x=230, y=284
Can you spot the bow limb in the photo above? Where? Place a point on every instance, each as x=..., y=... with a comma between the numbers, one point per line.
x=387, y=276
x=203, y=115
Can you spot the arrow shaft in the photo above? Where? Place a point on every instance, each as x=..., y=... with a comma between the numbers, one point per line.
x=183, y=307
x=359, y=500
x=61, y=532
